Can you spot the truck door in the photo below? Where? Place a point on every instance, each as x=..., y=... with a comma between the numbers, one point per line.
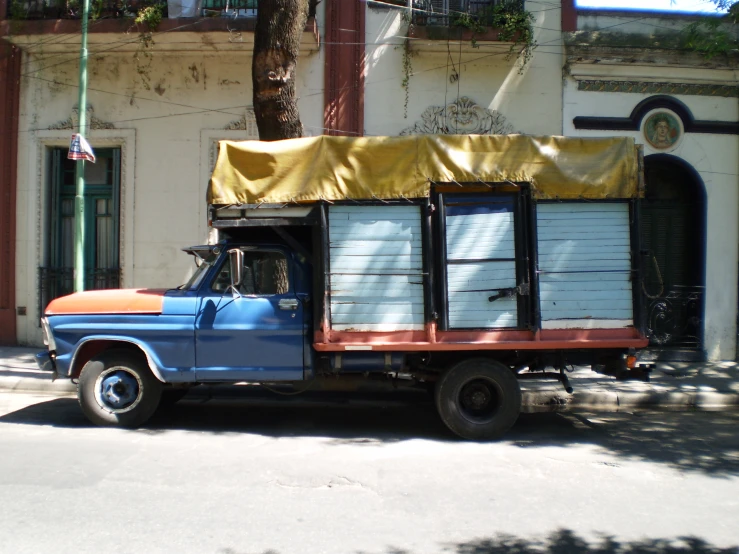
x=257, y=334
x=485, y=277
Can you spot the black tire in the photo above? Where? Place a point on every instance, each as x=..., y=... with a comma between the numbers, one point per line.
x=478, y=399
x=117, y=388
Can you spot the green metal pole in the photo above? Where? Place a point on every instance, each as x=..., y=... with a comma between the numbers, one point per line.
x=79, y=171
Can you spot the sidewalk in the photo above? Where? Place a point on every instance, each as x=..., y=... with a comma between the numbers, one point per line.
x=676, y=386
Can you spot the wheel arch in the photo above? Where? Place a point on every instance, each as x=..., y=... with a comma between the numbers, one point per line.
x=92, y=346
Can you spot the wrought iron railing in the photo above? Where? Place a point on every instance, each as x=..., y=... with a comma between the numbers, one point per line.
x=115, y=9
x=55, y=282
x=72, y=9
x=675, y=318
x=447, y=12
x=243, y=8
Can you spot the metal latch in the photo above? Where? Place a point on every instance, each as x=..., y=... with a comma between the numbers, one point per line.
x=522, y=289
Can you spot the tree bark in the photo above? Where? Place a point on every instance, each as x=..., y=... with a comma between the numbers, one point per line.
x=279, y=28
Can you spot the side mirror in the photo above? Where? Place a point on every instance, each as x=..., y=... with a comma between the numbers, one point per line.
x=236, y=262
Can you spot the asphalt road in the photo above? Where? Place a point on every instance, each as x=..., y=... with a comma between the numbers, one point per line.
x=259, y=475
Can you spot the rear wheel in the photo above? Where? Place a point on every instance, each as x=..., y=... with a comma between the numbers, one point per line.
x=478, y=399
x=117, y=388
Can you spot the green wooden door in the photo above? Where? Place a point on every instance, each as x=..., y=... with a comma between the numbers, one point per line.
x=102, y=215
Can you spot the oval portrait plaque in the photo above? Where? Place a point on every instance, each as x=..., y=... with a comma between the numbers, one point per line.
x=662, y=129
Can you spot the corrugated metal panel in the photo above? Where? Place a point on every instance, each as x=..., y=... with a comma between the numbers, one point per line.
x=584, y=265
x=376, y=264
x=481, y=260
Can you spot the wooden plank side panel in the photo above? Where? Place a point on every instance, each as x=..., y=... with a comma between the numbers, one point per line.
x=376, y=264
x=584, y=265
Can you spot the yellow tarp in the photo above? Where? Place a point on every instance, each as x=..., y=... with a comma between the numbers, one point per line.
x=339, y=168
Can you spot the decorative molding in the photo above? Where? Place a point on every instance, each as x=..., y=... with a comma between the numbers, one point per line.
x=641, y=87
x=633, y=121
x=247, y=122
x=125, y=139
x=462, y=117
x=73, y=121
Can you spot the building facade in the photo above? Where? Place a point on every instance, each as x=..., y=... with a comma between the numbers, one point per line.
x=159, y=102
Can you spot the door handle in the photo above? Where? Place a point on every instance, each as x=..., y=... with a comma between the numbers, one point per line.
x=288, y=304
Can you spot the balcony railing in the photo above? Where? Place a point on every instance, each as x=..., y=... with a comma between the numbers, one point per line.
x=117, y=9
x=55, y=282
x=447, y=12
x=72, y=9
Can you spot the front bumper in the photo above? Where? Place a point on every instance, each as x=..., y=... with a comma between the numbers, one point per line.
x=45, y=362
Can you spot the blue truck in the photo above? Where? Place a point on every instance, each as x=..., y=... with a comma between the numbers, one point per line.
x=457, y=264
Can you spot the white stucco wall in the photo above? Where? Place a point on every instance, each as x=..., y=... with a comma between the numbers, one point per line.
x=166, y=134
x=530, y=101
x=716, y=159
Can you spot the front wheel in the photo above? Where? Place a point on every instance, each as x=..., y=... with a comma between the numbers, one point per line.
x=478, y=399
x=117, y=388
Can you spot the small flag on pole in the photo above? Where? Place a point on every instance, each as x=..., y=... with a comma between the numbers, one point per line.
x=80, y=149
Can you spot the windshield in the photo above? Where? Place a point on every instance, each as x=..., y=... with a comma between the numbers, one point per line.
x=200, y=273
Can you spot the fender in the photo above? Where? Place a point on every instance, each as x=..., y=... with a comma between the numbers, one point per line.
x=151, y=359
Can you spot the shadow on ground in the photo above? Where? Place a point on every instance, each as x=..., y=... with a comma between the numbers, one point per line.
x=563, y=541
x=690, y=441
x=566, y=541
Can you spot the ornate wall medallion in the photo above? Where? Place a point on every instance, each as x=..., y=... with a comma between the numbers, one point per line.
x=463, y=117
x=662, y=129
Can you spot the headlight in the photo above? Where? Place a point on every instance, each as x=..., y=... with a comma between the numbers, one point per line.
x=48, y=335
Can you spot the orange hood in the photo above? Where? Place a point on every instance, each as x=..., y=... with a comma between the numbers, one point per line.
x=114, y=301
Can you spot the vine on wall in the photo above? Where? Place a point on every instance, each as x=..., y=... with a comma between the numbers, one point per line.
x=511, y=20
x=711, y=38
x=150, y=17
x=407, y=62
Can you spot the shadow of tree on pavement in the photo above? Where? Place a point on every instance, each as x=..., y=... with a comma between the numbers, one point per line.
x=687, y=441
x=690, y=441
x=565, y=541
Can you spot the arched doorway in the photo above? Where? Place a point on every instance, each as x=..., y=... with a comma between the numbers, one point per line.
x=673, y=235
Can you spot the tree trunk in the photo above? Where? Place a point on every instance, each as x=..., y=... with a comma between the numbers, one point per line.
x=280, y=25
